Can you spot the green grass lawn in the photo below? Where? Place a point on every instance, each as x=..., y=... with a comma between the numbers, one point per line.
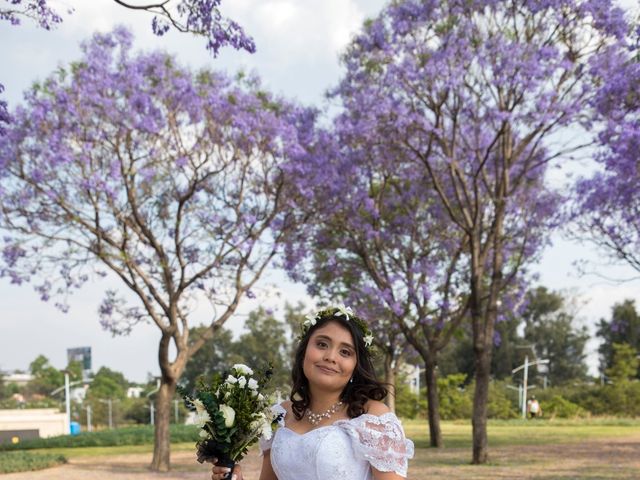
x=80, y=452
x=457, y=434
x=557, y=449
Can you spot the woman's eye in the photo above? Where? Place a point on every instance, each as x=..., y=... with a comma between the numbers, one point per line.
x=321, y=344
x=346, y=353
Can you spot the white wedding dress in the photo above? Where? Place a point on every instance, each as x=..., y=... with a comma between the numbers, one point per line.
x=344, y=450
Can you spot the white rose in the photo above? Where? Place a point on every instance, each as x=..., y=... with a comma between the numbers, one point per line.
x=260, y=397
x=231, y=380
x=202, y=418
x=199, y=405
x=253, y=384
x=204, y=434
x=242, y=369
x=242, y=382
x=229, y=415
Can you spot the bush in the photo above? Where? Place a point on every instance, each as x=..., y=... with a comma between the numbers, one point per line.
x=499, y=404
x=27, y=461
x=408, y=404
x=560, y=407
x=140, y=435
x=455, y=400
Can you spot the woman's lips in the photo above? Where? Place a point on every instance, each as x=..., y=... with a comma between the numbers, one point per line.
x=326, y=370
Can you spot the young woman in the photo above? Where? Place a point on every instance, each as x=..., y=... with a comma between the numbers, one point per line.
x=334, y=426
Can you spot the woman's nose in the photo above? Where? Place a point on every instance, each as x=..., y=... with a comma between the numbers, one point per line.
x=329, y=355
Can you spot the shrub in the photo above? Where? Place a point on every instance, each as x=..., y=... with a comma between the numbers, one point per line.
x=27, y=461
x=455, y=401
x=499, y=404
x=139, y=435
x=408, y=404
x=560, y=407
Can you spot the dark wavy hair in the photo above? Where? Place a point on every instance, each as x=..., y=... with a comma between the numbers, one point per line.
x=365, y=386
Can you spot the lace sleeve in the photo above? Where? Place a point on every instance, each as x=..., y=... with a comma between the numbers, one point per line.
x=381, y=441
x=265, y=444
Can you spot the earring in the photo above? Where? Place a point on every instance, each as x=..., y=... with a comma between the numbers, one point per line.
x=351, y=380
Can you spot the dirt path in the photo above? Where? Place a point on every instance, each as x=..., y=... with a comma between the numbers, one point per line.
x=132, y=467
x=602, y=459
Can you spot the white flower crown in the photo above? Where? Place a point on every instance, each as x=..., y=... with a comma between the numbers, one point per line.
x=339, y=311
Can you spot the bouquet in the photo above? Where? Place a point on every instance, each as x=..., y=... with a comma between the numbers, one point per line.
x=232, y=413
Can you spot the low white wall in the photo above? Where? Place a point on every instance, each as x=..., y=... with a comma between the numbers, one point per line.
x=49, y=421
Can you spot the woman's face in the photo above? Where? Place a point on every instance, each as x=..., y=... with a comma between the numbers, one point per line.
x=330, y=358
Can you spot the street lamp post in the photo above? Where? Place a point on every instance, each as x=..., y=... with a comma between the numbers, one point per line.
x=525, y=367
x=67, y=396
x=151, y=406
x=89, y=426
x=67, y=401
x=109, y=403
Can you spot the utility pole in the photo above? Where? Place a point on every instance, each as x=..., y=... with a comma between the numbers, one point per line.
x=109, y=403
x=89, y=427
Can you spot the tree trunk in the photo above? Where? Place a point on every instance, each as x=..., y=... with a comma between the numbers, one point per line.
x=480, y=399
x=162, y=442
x=433, y=403
x=390, y=380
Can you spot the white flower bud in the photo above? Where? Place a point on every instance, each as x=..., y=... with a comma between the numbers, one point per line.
x=242, y=369
x=229, y=415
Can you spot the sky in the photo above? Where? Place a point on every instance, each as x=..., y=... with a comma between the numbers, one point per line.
x=298, y=48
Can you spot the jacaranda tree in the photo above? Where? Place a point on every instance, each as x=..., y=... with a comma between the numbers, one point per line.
x=198, y=17
x=608, y=202
x=474, y=94
x=378, y=241
x=169, y=180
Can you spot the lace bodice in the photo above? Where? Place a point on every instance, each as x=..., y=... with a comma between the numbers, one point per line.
x=344, y=450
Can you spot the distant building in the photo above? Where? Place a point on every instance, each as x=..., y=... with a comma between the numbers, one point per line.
x=22, y=424
x=134, y=392
x=412, y=374
x=20, y=379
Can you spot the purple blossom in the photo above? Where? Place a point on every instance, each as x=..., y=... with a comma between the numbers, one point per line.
x=112, y=184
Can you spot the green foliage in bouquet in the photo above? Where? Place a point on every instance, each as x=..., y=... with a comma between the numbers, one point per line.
x=233, y=412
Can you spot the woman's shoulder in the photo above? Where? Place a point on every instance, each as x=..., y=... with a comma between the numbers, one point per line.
x=286, y=406
x=376, y=408
x=282, y=410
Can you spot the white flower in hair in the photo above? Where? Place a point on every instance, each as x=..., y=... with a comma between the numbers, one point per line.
x=343, y=310
x=311, y=320
x=368, y=340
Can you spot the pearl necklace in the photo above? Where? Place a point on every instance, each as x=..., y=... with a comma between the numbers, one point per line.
x=315, y=418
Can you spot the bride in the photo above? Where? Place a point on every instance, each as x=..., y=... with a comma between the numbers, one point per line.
x=334, y=426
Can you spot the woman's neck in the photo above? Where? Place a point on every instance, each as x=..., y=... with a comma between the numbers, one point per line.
x=322, y=400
